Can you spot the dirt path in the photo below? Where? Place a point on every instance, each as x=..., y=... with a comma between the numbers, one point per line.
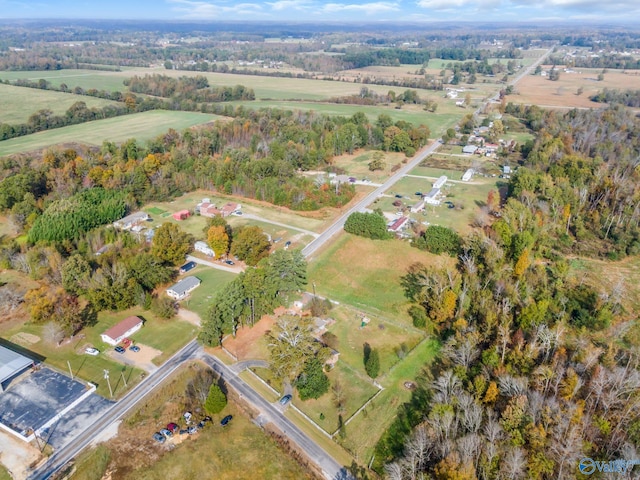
x=17, y=455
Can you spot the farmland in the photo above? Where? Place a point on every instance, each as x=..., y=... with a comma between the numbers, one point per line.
x=142, y=126
x=18, y=103
x=563, y=93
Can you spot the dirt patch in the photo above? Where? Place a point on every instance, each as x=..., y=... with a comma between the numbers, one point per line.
x=189, y=316
x=17, y=456
x=246, y=337
x=142, y=359
x=25, y=339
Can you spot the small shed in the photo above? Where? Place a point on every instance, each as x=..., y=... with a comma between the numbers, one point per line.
x=181, y=215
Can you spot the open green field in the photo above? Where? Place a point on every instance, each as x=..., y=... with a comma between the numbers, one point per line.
x=213, y=280
x=437, y=122
x=357, y=165
x=18, y=103
x=364, y=431
x=141, y=126
x=100, y=80
x=366, y=274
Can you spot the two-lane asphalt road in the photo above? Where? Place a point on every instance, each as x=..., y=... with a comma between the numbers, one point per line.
x=331, y=469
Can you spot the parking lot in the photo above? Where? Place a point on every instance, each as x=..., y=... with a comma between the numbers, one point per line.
x=38, y=398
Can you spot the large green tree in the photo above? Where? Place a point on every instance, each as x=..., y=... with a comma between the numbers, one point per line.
x=171, y=244
x=312, y=382
x=216, y=400
x=291, y=344
x=250, y=244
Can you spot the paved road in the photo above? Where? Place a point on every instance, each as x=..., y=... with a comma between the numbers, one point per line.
x=325, y=236
x=63, y=455
x=338, y=225
x=331, y=469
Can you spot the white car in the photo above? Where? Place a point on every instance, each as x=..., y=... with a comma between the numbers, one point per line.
x=91, y=351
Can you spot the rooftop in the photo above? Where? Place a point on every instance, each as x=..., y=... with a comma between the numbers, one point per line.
x=11, y=362
x=184, y=285
x=123, y=327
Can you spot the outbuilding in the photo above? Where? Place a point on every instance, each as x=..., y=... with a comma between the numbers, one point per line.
x=183, y=288
x=12, y=364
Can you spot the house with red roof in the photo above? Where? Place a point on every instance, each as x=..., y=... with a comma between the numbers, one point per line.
x=122, y=330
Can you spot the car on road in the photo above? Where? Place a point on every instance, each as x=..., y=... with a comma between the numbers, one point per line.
x=229, y=262
x=166, y=433
x=119, y=349
x=284, y=400
x=225, y=421
x=134, y=348
x=158, y=437
x=91, y=351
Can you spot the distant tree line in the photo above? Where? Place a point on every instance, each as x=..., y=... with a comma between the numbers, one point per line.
x=629, y=98
x=194, y=89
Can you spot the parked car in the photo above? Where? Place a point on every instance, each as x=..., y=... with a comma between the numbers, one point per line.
x=398, y=195
x=287, y=244
x=192, y=429
x=286, y=399
x=207, y=419
x=238, y=213
x=166, y=433
x=229, y=262
x=173, y=427
x=126, y=342
x=134, y=348
x=183, y=431
x=225, y=421
x=91, y=351
x=419, y=194
x=158, y=437
x=119, y=349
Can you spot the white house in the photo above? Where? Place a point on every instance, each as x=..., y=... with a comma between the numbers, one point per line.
x=125, y=328
x=131, y=220
x=440, y=182
x=183, y=288
x=418, y=207
x=469, y=149
x=202, y=247
x=432, y=197
x=467, y=175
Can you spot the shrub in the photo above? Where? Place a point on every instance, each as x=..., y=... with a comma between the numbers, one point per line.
x=216, y=400
x=370, y=225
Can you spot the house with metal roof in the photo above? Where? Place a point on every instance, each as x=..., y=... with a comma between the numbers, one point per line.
x=184, y=287
x=122, y=330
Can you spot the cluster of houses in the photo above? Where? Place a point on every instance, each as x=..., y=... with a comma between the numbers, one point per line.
x=208, y=209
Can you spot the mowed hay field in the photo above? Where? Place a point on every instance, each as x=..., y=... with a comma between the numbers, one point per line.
x=539, y=90
x=100, y=80
x=141, y=126
x=18, y=103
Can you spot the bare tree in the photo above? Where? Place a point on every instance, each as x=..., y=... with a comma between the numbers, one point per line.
x=514, y=463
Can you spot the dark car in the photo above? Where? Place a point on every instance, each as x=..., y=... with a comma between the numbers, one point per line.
x=134, y=348
x=173, y=427
x=207, y=419
x=398, y=195
x=226, y=420
x=286, y=399
x=201, y=424
x=184, y=431
x=158, y=437
x=166, y=433
x=419, y=194
x=229, y=262
x=192, y=429
x=119, y=349
x=187, y=266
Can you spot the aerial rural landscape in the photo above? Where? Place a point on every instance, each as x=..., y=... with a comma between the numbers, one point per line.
x=390, y=246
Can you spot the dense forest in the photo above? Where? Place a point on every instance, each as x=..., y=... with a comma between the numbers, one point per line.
x=537, y=368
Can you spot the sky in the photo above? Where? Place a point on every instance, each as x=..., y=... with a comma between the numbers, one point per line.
x=486, y=11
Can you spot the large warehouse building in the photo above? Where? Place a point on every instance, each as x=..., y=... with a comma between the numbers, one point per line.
x=12, y=364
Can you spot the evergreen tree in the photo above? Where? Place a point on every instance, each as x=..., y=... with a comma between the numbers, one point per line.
x=216, y=400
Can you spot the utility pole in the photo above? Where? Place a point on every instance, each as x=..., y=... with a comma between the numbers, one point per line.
x=123, y=379
x=314, y=289
x=70, y=371
x=106, y=376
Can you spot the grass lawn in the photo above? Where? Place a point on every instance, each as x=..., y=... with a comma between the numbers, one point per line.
x=213, y=280
x=357, y=165
x=366, y=273
x=357, y=390
x=384, y=336
x=4, y=474
x=167, y=336
x=141, y=126
x=18, y=103
x=364, y=431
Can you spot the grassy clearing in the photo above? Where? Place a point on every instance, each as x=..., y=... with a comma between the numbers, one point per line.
x=92, y=464
x=110, y=81
x=18, y=103
x=213, y=281
x=141, y=126
x=357, y=165
x=4, y=474
x=367, y=427
x=366, y=273
x=357, y=390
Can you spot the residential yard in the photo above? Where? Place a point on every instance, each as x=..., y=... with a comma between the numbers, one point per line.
x=141, y=126
x=226, y=453
x=19, y=103
x=357, y=165
x=366, y=274
x=213, y=280
x=364, y=431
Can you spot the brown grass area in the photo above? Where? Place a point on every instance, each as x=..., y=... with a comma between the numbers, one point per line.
x=538, y=90
x=243, y=346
